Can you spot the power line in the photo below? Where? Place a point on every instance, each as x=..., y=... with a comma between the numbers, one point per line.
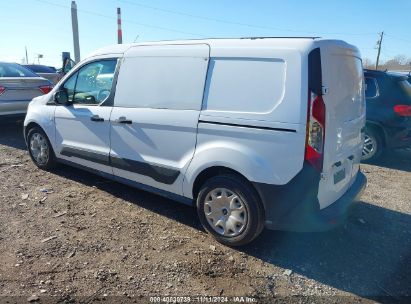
x=398, y=38
x=124, y=20
x=235, y=22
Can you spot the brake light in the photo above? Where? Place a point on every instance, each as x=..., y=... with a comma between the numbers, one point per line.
x=402, y=110
x=45, y=89
x=2, y=90
x=314, y=147
x=315, y=132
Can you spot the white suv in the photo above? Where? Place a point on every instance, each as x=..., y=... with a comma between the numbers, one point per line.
x=259, y=132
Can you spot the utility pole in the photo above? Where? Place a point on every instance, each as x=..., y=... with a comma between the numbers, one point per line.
x=379, y=43
x=27, y=57
x=74, y=24
x=119, y=31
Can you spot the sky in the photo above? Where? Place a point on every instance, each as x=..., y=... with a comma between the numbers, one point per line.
x=44, y=26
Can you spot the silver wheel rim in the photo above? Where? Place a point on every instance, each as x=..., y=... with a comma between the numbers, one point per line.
x=39, y=148
x=226, y=212
x=369, y=148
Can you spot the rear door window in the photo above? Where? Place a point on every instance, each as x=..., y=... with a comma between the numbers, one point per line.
x=371, y=87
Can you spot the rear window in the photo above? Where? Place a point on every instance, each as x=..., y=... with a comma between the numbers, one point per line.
x=41, y=69
x=406, y=87
x=244, y=84
x=15, y=70
x=371, y=87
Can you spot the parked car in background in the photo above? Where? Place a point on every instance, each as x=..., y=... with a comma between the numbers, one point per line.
x=47, y=72
x=18, y=86
x=242, y=129
x=388, y=125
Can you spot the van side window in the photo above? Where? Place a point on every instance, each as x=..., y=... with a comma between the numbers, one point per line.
x=244, y=84
x=371, y=87
x=159, y=82
x=93, y=82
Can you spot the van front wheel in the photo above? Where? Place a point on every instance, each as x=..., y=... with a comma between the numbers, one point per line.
x=230, y=210
x=40, y=149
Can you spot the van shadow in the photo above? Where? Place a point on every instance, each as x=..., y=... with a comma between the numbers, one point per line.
x=11, y=134
x=370, y=256
x=163, y=206
x=399, y=159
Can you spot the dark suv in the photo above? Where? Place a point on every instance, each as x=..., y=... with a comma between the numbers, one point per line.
x=388, y=113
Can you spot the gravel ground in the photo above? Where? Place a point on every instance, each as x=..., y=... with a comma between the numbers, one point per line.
x=69, y=236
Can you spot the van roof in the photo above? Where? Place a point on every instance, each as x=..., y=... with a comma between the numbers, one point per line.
x=294, y=42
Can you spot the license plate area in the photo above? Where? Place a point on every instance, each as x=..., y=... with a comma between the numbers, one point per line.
x=339, y=176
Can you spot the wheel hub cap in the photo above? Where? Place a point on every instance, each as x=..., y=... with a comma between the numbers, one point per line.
x=369, y=147
x=225, y=212
x=39, y=148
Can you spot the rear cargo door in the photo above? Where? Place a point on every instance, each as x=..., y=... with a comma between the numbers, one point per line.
x=343, y=95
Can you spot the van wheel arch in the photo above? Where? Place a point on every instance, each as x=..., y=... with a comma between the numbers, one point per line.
x=30, y=126
x=210, y=172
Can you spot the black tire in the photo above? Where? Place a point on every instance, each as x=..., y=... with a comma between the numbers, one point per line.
x=50, y=161
x=254, y=208
x=372, y=139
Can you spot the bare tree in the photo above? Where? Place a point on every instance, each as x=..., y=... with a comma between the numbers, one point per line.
x=399, y=63
x=368, y=63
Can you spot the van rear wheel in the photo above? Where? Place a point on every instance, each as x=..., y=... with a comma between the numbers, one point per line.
x=230, y=210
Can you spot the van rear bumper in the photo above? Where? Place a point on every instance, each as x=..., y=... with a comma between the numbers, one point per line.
x=295, y=207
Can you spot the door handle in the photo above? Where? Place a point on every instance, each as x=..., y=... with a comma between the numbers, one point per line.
x=96, y=118
x=124, y=120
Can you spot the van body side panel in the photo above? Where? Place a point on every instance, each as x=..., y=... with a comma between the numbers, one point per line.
x=261, y=155
x=159, y=92
x=344, y=99
x=254, y=114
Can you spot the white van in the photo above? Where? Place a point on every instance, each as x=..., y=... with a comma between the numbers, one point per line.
x=256, y=132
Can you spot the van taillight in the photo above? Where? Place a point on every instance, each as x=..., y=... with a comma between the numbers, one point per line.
x=314, y=147
x=315, y=134
x=2, y=90
x=402, y=110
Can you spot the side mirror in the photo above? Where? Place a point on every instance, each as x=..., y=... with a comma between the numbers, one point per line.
x=61, y=97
